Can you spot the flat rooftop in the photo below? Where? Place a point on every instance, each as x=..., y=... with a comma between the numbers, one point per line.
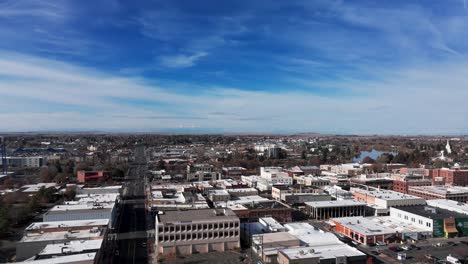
x=431, y=212
x=77, y=258
x=200, y=215
x=29, y=188
x=400, y=226
x=58, y=209
x=337, y=203
x=449, y=205
x=67, y=224
x=385, y=194
x=276, y=237
x=218, y=192
x=75, y=246
x=62, y=235
x=364, y=225
x=271, y=222
x=441, y=189
x=322, y=252
x=241, y=190
x=311, y=236
x=98, y=198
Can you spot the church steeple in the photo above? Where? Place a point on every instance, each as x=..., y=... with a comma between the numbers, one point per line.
x=448, y=148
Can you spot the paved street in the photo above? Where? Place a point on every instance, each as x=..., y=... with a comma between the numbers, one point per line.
x=131, y=238
x=128, y=241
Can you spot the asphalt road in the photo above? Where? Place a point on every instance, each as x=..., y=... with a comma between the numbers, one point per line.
x=130, y=245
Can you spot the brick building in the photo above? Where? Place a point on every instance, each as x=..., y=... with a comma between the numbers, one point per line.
x=87, y=176
x=447, y=176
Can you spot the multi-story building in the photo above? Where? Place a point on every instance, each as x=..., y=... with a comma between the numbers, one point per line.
x=303, y=170
x=442, y=222
x=455, y=193
x=201, y=172
x=251, y=208
x=297, y=195
x=330, y=209
x=218, y=195
x=382, y=183
x=197, y=231
x=34, y=162
x=233, y=172
x=401, y=184
x=450, y=205
x=386, y=198
x=445, y=176
x=321, y=254
x=86, y=176
x=34, y=242
x=310, y=180
x=370, y=230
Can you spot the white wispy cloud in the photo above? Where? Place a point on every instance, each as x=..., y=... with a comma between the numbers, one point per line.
x=181, y=60
x=423, y=99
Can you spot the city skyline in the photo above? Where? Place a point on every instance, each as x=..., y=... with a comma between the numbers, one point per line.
x=341, y=67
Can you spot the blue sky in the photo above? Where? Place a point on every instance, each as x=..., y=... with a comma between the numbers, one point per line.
x=365, y=67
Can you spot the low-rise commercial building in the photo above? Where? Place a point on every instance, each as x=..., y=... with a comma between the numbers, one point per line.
x=364, y=230
x=233, y=172
x=450, y=205
x=321, y=254
x=455, y=193
x=197, y=231
x=386, y=198
x=330, y=209
x=88, y=176
x=309, y=180
x=33, y=242
x=370, y=230
x=444, y=223
x=218, y=195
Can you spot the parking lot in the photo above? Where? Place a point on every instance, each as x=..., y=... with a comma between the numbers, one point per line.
x=427, y=251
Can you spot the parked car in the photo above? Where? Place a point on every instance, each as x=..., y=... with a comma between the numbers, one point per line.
x=414, y=247
x=375, y=252
x=406, y=248
x=395, y=249
x=451, y=243
x=381, y=243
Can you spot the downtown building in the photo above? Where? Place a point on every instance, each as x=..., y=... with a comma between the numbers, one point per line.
x=196, y=231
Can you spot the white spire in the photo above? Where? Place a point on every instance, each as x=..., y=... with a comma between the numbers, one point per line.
x=448, y=148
